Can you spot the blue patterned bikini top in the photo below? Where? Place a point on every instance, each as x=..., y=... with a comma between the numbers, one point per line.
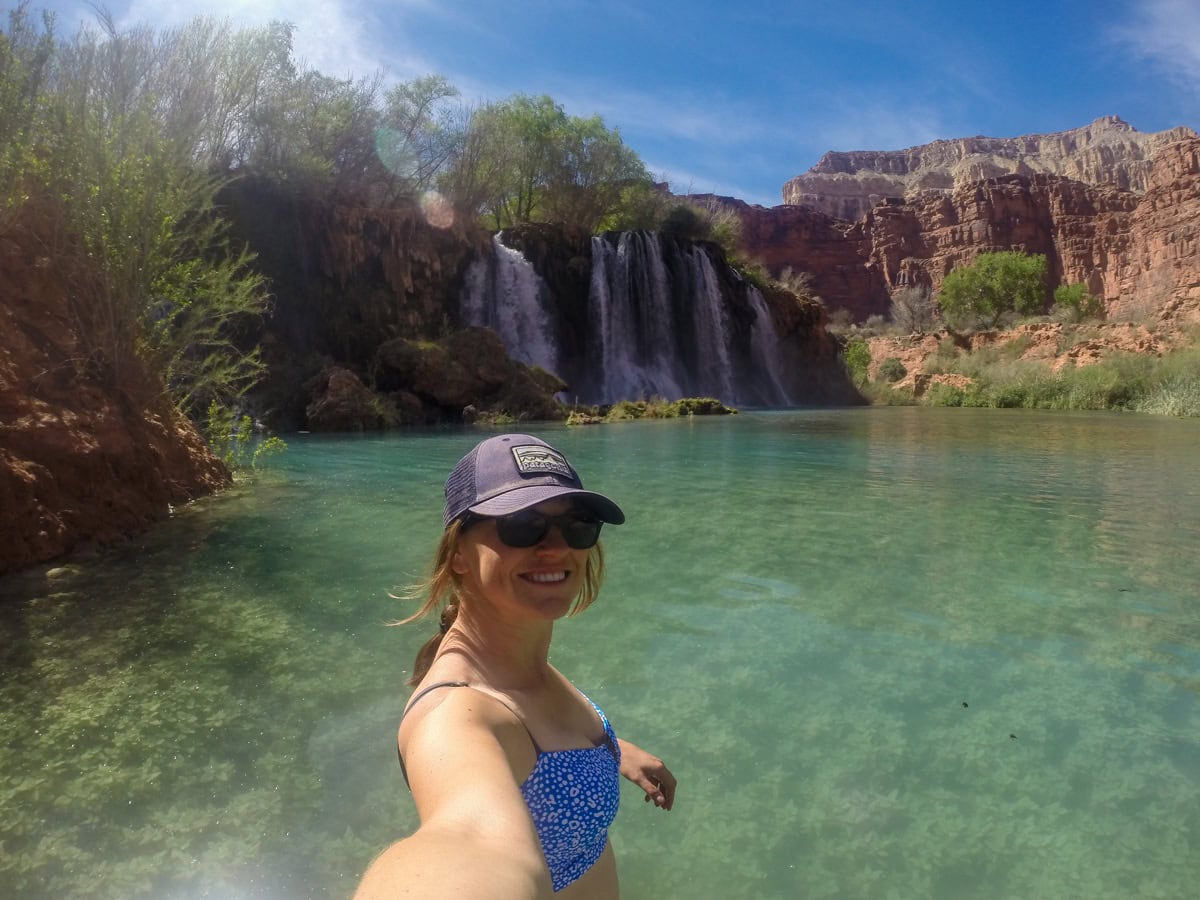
x=572, y=797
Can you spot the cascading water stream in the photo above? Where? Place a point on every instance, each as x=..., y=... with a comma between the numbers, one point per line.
x=660, y=322
x=765, y=342
x=503, y=292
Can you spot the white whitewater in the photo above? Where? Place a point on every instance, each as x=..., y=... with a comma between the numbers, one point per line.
x=658, y=323
x=765, y=341
x=503, y=292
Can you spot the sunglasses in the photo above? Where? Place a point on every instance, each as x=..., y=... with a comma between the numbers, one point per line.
x=529, y=528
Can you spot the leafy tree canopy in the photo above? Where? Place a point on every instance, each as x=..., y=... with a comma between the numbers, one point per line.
x=526, y=160
x=995, y=285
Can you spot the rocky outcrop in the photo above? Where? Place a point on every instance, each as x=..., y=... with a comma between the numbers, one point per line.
x=833, y=253
x=344, y=281
x=1138, y=252
x=1157, y=269
x=84, y=461
x=847, y=185
x=470, y=368
x=1074, y=225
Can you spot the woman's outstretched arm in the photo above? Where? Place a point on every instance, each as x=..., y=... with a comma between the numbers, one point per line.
x=476, y=838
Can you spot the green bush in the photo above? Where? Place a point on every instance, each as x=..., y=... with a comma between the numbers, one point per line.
x=702, y=406
x=857, y=357
x=1074, y=303
x=891, y=369
x=940, y=394
x=233, y=441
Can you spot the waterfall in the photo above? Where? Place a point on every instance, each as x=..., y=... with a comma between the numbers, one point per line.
x=767, y=351
x=504, y=293
x=661, y=320
x=631, y=327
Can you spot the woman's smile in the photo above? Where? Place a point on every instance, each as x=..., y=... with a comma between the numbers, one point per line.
x=546, y=577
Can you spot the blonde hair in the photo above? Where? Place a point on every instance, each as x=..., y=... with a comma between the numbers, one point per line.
x=443, y=590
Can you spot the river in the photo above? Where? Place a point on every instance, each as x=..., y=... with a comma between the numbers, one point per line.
x=888, y=652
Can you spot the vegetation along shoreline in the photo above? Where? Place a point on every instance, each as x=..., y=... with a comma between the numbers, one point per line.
x=205, y=244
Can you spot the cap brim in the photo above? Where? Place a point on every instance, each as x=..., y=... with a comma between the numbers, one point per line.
x=524, y=497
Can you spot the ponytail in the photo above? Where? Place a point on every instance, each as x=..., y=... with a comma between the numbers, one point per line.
x=442, y=586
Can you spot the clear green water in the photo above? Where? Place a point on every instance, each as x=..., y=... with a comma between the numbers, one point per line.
x=907, y=653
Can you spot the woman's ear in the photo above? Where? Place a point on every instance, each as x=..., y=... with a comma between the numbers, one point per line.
x=457, y=564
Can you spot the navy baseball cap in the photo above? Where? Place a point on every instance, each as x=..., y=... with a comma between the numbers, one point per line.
x=511, y=472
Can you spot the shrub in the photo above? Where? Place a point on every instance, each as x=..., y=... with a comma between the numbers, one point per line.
x=702, y=406
x=913, y=309
x=857, y=356
x=232, y=439
x=940, y=394
x=1074, y=303
x=1177, y=396
x=838, y=321
x=891, y=369
x=687, y=222
x=797, y=282
x=874, y=325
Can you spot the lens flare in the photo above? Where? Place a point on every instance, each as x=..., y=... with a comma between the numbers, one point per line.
x=396, y=152
x=437, y=210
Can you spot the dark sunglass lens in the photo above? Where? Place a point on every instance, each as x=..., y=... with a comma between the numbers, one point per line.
x=525, y=529
x=522, y=529
x=580, y=533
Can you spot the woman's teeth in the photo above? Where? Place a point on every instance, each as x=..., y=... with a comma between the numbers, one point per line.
x=546, y=577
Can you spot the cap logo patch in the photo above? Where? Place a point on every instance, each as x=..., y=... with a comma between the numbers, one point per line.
x=533, y=459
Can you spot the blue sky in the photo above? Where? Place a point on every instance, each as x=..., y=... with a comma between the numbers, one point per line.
x=736, y=98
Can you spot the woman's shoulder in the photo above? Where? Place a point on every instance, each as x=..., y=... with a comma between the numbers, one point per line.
x=459, y=739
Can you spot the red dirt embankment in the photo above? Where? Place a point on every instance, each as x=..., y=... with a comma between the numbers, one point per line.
x=81, y=463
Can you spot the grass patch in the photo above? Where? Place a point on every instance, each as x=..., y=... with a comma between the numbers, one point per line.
x=1169, y=385
x=654, y=408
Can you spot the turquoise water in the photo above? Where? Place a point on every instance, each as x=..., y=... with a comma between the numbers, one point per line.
x=887, y=652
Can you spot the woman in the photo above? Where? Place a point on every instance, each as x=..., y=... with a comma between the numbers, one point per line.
x=513, y=770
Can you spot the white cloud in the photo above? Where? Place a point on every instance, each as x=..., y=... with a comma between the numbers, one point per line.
x=332, y=36
x=1166, y=32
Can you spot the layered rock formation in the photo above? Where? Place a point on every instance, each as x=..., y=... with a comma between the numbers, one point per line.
x=847, y=185
x=1139, y=252
x=83, y=460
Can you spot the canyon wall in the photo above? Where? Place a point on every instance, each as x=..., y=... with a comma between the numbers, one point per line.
x=847, y=185
x=1137, y=251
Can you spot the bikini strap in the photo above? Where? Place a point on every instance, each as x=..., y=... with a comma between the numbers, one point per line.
x=441, y=684
x=421, y=693
x=432, y=687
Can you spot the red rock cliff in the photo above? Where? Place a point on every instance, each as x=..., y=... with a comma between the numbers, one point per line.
x=1138, y=252
x=80, y=463
x=847, y=185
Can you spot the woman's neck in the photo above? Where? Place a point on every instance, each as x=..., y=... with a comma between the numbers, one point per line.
x=508, y=655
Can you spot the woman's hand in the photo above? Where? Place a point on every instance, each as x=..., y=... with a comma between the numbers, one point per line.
x=649, y=773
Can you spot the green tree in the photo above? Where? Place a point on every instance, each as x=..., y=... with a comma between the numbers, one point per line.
x=592, y=170
x=417, y=135
x=128, y=217
x=995, y=285
x=526, y=160
x=857, y=356
x=1075, y=303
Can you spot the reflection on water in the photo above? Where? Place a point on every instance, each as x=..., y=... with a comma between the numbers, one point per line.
x=895, y=652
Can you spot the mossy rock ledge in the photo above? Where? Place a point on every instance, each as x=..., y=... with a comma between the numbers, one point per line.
x=466, y=376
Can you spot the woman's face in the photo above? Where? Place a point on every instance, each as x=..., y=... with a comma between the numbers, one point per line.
x=525, y=582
